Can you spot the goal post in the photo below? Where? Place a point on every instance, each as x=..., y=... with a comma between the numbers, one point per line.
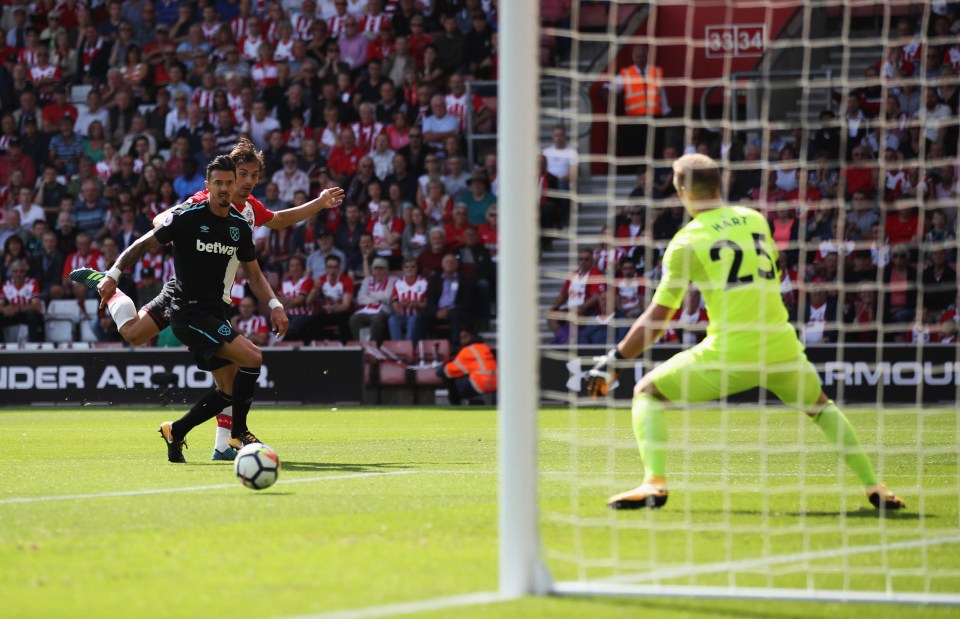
x=746, y=80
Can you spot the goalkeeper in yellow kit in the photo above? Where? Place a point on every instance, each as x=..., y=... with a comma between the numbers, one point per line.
x=728, y=253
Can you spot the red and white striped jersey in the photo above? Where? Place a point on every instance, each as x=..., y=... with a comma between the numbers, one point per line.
x=377, y=290
x=250, y=47
x=608, y=259
x=20, y=295
x=48, y=72
x=238, y=26
x=103, y=171
x=366, y=134
x=897, y=182
x=253, y=209
x=410, y=292
x=237, y=291
x=204, y=99
x=254, y=324
x=291, y=289
x=272, y=32
x=264, y=74
x=283, y=51
x=457, y=106
x=579, y=288
x=28, y=57
x=235, y=101
x=90, y=51
x=303, y=27
x=92, y=260
x=952, y=57
x=336, y=25
x=333, y=290
x=149, y=266
x=169, y=268
x=379, y=231
x=373, y=24
x=629, y=292
x=210, y=31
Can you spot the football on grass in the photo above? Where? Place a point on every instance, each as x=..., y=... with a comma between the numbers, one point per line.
x=257, y=466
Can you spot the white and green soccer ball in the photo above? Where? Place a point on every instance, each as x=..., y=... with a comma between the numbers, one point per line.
x=257, y=466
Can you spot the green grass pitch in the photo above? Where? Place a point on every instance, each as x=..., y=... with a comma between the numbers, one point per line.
x=381, y=506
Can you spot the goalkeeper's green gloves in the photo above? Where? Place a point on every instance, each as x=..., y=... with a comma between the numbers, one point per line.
x=603, y=376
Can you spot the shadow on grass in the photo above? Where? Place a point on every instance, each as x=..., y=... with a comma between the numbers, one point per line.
x=346, y=467
x=862, y=513
x=708, y=608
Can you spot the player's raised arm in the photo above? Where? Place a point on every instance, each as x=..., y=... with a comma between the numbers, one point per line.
x=261, y=287
x=108, y=285
x=328, y=198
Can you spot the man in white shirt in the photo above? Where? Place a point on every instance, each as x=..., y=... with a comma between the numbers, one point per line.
x=439, y=125
x=260, y=125
x=561, y=158
x=290, y=179
x=931, y=116
x=94, y=112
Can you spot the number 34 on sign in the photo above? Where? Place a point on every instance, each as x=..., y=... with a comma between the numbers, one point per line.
x=736, y=40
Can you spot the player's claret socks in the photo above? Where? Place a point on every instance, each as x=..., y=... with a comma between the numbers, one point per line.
x=174, y=445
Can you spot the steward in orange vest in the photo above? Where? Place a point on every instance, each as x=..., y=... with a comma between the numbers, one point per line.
x=472, y=372
x=642, y=86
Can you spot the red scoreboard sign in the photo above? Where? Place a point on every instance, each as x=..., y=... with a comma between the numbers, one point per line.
x=736, y=40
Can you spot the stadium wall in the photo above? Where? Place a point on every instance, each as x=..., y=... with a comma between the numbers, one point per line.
x=166, y=377
x=901, y=374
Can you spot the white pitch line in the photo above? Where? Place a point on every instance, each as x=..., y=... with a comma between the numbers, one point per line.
x=104, y=495
x=759, y=562
x=410, y=608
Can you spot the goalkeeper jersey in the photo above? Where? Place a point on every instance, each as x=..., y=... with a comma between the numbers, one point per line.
x=730, y=256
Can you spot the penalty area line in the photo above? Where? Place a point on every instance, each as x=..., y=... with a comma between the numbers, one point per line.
x=149, y=491
x=410, y=608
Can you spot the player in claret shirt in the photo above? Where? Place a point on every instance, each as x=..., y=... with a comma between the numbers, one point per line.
x=211, y=239
x=728, y=253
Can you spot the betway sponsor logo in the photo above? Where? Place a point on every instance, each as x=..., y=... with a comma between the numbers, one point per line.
x=899, y=373
x=216, y=248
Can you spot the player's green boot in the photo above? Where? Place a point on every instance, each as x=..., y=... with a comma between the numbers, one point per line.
x=645, y=495
x=881, y=498
x=88, y=277
x=174, y=447
x=227, y=454
x=244, y=439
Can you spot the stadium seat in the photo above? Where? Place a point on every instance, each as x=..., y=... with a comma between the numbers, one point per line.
x=92, y=307
x=431, y=354
x=393, y=370
x=109, y=345
x=75, y=345
x=37, y=346
x=62, y=317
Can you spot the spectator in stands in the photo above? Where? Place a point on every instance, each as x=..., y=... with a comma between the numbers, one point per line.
x=332, y=295
x=819, y=315
x=14, y=250
x=347, y=235
x=431, y=259
x=903, y=227
x=90, y=213
x=478, y=199
x=382, y=156
x=900, y=285
x=250, y=324
x=933, y=116
x=415, y=234
x=449, y=46
x=290, y=179
x=862, y=269
x=374, y=299
x=316, y=260
x=14, y=159
x=295, y=289
x=456, y=180
x=409, y=302
x=827, y=138
x=387, y=231
x=20, y=302
x=450, y=299
x=938, y=282
x=12, y=227
x=65, y=148
x=404, y=180
x=579, y=297
x=190, y=182
x=360, y=264
x=47, y=268
x=861, y=315
x=353, y=44
x=439, y=125
x=561, y=158
x=260, y=125
x=84, y=256
x=477, y=266
x=863, y=217
x=861, y=174
x=344, y=159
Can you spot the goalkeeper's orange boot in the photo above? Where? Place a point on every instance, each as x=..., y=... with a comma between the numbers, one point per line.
x=881, y=498
x=652, y=494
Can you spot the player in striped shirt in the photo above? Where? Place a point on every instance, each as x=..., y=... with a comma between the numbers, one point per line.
x=728, y=253
x=20, y=302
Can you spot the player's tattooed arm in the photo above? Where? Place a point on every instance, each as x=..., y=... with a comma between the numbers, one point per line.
x=108, y=285
x=328, y=198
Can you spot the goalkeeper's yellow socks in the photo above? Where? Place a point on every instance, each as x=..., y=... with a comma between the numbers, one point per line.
x=650, y=428
x=844, y=438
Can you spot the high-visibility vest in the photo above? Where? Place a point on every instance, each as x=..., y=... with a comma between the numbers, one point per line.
x=641, y=95
x=477, y=362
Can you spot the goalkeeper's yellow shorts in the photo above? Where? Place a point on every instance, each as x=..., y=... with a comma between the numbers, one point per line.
x=701, y=374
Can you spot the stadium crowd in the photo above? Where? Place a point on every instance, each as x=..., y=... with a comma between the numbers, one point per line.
x=863, y=208
x=110, y=112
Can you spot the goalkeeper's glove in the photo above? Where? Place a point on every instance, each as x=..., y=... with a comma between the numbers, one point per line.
x=602, y=376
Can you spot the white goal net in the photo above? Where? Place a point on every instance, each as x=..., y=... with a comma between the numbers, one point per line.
x=838, y=122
